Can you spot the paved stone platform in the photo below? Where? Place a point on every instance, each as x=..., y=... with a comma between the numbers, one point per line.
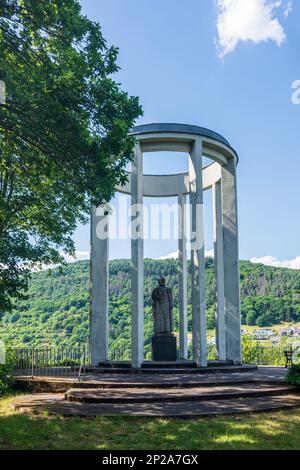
x=171, y=368
x=178, y=364
x=164, y=395
x=62, y=384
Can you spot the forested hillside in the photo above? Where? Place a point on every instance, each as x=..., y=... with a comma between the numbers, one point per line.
x=57, y=310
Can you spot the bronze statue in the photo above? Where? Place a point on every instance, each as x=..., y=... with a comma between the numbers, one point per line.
x=162, y=308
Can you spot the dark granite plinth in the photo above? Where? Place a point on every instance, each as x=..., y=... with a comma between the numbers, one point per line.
x=164, y=348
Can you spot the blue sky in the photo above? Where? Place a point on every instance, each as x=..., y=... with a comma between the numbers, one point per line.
x=231, y=69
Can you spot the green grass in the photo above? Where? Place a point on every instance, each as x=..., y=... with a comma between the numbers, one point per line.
x=279, y=430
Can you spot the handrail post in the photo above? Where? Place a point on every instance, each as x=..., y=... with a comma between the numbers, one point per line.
x=32, y=356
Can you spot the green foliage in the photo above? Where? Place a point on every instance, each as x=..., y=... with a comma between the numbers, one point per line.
x=249, y=348
x=64, y=120
x=269, y=295
x=56, y=312
x=293, y=376
x=6, y=376
x=4, y=380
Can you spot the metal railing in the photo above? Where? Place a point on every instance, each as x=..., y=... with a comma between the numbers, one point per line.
x=258, y=355
x=119, y=354
x=73, y=362
x=48, y=361
x=273, y=355
x=82, y=366
x=56, y=362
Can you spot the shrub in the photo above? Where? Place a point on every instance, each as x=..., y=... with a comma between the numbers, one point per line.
x=6, y=379
x=6, y=372
x=249, y=348
x=293, y=376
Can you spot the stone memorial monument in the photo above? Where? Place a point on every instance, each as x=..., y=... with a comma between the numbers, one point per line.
x=163, y=341
x=217, y=177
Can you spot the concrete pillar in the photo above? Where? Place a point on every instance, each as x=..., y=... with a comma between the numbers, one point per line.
x=99, y=287
x=219, y=271
x=198, y=255
x=231, y=263
x=182, y=264
x=137, y=260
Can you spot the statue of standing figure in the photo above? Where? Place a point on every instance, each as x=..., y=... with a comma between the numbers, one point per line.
x=162, y=308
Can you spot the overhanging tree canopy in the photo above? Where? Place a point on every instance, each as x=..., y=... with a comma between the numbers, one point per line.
x=63, y=120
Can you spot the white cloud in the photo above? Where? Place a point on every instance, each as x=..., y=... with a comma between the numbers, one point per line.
x=79, y=256
x=249, y=20
x=275, y=262
x=208, y=254
x=288, y=9
x=169, y=256
x=266, y=260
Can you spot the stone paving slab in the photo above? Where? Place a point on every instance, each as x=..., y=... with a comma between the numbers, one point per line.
x=61, y=384
x=171, y=370
x=55, y=404
x=151, y=395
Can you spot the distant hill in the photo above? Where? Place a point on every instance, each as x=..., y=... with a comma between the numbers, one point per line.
x=57, y=309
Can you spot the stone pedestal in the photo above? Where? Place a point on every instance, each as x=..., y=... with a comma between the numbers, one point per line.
x=164, y=348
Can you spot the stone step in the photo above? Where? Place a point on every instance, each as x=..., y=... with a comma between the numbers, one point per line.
x=180, y=364
x=157, y=364
x=55, y=404
x=168, y=364
x=215, y=369
x=61, y=384
x=175, y=384
x=152, y=395
x=51, y=384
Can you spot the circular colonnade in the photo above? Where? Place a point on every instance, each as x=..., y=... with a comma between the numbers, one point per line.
x=220, y=177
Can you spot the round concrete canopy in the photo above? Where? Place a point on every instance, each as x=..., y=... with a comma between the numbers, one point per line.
x=179, y=137
x=178, y=128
